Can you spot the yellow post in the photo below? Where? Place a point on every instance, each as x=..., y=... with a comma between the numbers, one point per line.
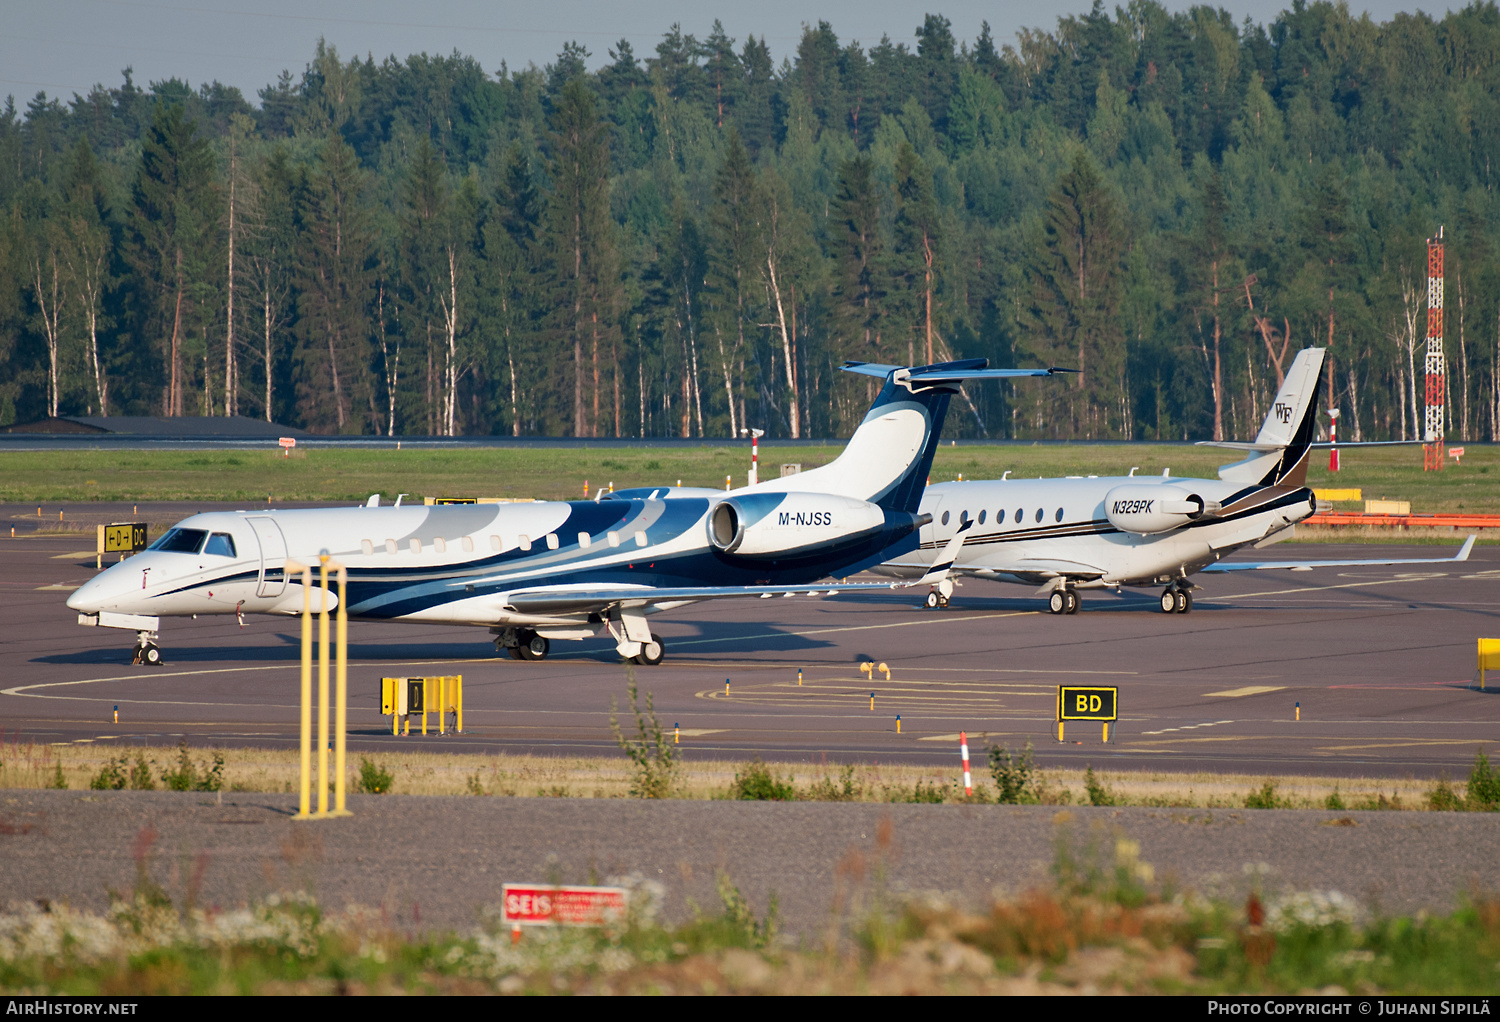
x=99, y=557
x=442, y=705
x=304, y=807
x=1106, y=731
x=898, y=723
x=872, y=702
x=458, y=704
x=323, y=689
x=1059, y=731
x=341, y=694
x=426, y=701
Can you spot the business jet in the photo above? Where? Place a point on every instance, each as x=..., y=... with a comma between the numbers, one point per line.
x=537, y=572
x=1068, y=535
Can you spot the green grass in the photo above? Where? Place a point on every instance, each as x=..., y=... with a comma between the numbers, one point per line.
x=333, y=474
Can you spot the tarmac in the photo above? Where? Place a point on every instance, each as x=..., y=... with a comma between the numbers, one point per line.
x=1380, y=662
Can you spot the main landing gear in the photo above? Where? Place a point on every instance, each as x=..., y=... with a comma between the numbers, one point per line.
x=1063, y=601
x=146, y=651
x=941, y=593
x=651, y=652
x=523, y=644
x=1176, y=601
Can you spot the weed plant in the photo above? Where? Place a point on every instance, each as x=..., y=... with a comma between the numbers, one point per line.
x=373, y=779
x=1098, y=794
x=651, y=752
x=757, y=783
x=1015, y=780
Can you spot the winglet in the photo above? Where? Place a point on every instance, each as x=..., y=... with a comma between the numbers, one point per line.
x=1463, y=554
x=944, y=564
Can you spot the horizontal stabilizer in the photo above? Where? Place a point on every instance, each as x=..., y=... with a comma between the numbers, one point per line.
x=947, y=372
x=1215, y=569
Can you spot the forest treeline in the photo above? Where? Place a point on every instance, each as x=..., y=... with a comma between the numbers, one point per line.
x=691, y=242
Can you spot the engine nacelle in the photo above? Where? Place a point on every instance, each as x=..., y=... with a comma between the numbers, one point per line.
x=780, y=524
x=1151, y=509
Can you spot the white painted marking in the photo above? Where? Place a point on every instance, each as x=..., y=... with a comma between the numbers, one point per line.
x=1248, y=690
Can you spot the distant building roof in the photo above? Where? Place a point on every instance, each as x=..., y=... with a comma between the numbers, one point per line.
x=151, y=425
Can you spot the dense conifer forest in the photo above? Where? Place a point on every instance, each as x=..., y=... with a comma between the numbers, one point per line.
x=689, y=242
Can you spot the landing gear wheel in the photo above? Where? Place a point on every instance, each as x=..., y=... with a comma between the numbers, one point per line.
x=148, y=654
x=942, y=601
x=1184, y=601
x=534, y=647
x=1073, y=602
x=1057, y=603
x=1179, y=601
x=515, y=652
x=1169, y=601
x=651, y=652
x=933, y=601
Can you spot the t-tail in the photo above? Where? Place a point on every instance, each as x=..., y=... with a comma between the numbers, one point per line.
x=1278, y=457
x=889, y=457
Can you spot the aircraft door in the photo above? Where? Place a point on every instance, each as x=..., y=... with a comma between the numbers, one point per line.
x=272, y=555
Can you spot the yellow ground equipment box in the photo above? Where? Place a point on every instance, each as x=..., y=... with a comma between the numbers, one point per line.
x=1387, y=507
x=402, y=697
x=1489, y=657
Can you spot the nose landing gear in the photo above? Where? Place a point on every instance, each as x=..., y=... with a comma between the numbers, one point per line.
x=146, y=651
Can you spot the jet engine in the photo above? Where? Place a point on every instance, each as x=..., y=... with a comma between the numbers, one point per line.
x=1151, y=509
x=774, y=525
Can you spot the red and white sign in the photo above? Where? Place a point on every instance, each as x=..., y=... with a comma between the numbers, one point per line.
x=539, y=905
x=288, y=441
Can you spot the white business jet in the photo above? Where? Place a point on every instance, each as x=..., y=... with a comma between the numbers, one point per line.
x=1066, y=535
x=536, y=572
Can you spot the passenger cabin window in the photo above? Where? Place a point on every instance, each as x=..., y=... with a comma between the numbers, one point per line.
x=981, y=518
x=441, y=545
x=367, y=546
x=416, y=545
x=552, y=541
x=583, y=540
x=1059, y=514
x=640, y=539
x=963, y=518
x=390, y=546
x=220, y=544
x=945, y=518
x=1019, y=515
x=180, y=541
x=614, y=539
x=495, y=543
x=524, y=542
x=1039, y=514
x=468, y=544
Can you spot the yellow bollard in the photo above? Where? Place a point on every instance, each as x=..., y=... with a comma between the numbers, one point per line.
x=323, y=687
x=872, y=702
x=341, y=693
x=799, y=677
x=676, y=734
x=117, y=714
x=726, y=688
x=898, y=723
x=458, y=704
x=1299, y=710
x=304, y=809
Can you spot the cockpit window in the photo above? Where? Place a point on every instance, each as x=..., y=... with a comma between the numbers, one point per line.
x=220, y=544
x=180, y=541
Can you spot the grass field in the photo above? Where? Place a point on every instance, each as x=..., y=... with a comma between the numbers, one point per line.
x=333, y=474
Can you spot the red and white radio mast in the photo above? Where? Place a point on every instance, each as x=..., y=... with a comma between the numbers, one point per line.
x=1434, y=426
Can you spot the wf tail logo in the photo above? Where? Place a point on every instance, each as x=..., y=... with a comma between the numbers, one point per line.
x=1283, y=412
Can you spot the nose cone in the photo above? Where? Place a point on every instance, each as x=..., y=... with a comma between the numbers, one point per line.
x=86, y=599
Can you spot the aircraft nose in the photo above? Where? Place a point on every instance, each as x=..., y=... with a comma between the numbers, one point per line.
x=86, y=598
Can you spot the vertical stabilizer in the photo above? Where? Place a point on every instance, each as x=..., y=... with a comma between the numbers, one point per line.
x=1280, y=454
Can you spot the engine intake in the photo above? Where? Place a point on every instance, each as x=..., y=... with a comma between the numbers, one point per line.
x=771, y=525
x=1147, y=510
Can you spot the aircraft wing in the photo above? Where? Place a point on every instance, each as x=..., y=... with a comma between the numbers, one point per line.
x=590, y=599
x=1309, y=565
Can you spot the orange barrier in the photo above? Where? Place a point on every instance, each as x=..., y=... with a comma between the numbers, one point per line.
x=1437, y=521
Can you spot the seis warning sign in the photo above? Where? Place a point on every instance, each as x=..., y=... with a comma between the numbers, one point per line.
x=540, y=905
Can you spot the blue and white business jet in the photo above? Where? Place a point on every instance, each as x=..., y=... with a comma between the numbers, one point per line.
x=561, y=570
x=1067, y=535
